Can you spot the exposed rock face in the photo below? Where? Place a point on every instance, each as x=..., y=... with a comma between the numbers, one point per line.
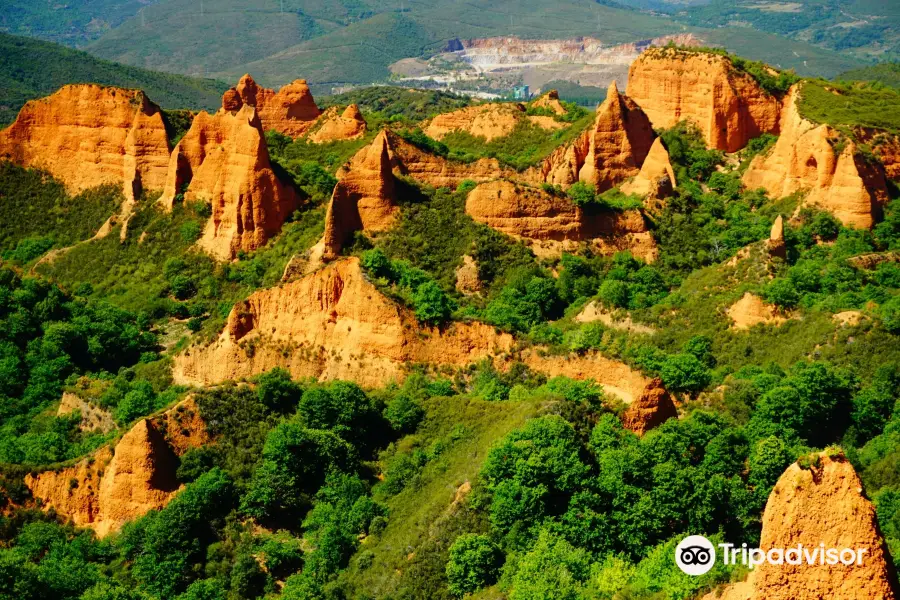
x=485, y=120
x=363, y=199
x=88, y=135
x=751, y=310
x=79, y=502
x=554, y=223
x=775, y=244
x=93, y=418
x=107, y=489
x=618, y=143
x=593, y=312
x=223, y=159
x=656, y=179
x=551, y=102
x=563, y=165
x=728, y=106
x=139, y=478
x=409, y=160
x=291, y=110
x=820, y=505
x=332, y=324
x=467, y=280
x=806, y=158
x=650, y=410
x=608, y=153
x=335, y=124
x=617, y=378
x=873, y=259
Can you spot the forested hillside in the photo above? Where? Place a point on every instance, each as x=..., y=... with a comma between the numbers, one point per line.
x=453, y=349
x=32, y=69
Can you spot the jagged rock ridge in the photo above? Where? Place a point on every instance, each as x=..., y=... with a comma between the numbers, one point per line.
x=223, y=160
x=291, y=110
x=808, y=158
x=554, y=223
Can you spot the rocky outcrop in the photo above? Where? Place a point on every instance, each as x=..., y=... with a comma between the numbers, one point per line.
x=775, y=244
x=618, y=143
x=411, y=161
x=553, y=223
x=109, y=488
x=139, y=478
x=93, y=418
x=364, y=197
x=291, y=110
x=88, y=135
x=595, y=312
x=656, y=179
x=815, y=159
x=751, y=310
x=338, y=125
x=467, y=280
x=815, y=506
x=332, y=324
x=490, y=121
x=223, y=160
x=551, y=102
x=727, y=104
x=605, y=155
x=617, y=378
x=653, y=408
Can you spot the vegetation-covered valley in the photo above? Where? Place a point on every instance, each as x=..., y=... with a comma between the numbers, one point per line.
x=513, y=475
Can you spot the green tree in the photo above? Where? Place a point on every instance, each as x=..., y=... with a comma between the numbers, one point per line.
x=474, y=563
x=277, y=391
x=684, y=372
x=431, y=304
x=552, y=569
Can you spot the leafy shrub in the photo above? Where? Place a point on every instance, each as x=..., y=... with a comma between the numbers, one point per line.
x=474, y=563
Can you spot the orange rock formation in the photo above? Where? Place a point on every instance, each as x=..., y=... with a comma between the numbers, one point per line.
x=490, y=121
x=806, y=158
x=93, y=418
x=823, y=504
x=550, y=101
x=608, y=153
x=617, y=378
x=775, y=244
x=467, y=281
x=656, y=179
x=554, y=223
x=108, y=489
x=618, y=143
x=653, y=408
x=332, y=324
x=751, y=310
x=335, y=124
x=88, y=135
x=291, y=110
x=728, y=106
x=363, y=199
x=223, y=159
x=411, y=161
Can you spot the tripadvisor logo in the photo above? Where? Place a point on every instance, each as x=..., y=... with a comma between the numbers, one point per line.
x=696, y=555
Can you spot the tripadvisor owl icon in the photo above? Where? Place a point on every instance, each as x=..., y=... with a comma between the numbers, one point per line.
x=695, y=555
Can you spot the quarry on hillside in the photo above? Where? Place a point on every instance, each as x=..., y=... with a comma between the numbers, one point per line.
x=493, y=66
